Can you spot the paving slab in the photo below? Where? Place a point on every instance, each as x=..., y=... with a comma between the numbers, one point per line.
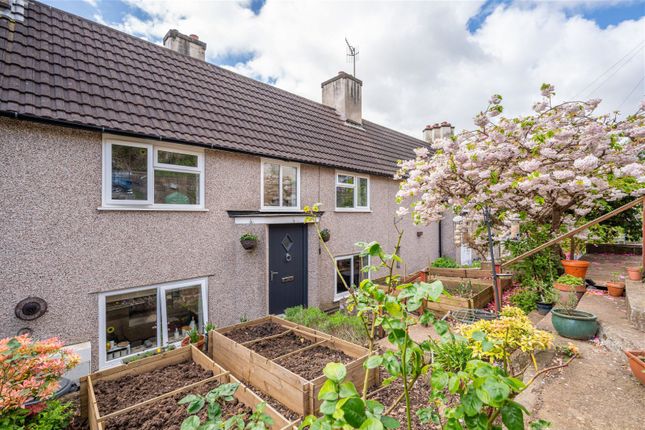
x=603, y=265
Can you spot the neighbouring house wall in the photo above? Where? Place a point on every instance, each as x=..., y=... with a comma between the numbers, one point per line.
x=56, y=244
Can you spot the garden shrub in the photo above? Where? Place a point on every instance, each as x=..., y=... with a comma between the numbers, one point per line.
x=525, y=299
x=544, y=265
x=339, y=324
x=445, y=263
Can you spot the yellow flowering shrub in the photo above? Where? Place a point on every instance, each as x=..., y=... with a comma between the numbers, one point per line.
x=513, y=330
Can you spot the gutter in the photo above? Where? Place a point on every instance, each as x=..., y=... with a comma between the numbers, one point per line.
x=67, y=124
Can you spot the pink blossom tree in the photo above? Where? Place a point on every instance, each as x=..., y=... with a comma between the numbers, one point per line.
x=552, y=167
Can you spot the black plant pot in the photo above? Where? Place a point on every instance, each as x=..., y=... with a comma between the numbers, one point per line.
x=544, y=308
x=248, y=244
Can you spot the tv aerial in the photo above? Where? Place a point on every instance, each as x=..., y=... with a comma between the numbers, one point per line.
x=352, y=55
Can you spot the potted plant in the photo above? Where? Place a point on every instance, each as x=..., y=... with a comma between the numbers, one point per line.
x=637, y=364
x=575, y=268
x=616, y=286
x=325, y=234
x=249, y=241
x=566, y=281
x=548, y=297
x=194, y=337
x=571, y=322
x=635, y=273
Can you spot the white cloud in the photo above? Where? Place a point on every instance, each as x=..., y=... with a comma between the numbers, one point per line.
x=418, y=62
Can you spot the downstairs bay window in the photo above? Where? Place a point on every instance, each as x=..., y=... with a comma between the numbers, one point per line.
x=351, y=271
x=141, y=319
x=139, y=175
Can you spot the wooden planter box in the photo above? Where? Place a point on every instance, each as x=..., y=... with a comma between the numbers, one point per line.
x=292, y=390
x=459, y=273
x=89, y=405
x=483, y=295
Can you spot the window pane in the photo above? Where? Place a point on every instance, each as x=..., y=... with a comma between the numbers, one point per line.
x=345, y=267
x=271, y=184
x=176, y=188
x=184, y=311
x=344, y=197
x=362, y=192
x=129, y=173
x=167, y=157
x=289, y=186
x=344, y=179
x=131, y=323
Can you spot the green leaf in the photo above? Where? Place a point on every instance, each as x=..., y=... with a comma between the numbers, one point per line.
x=471, y=403
x=328, y=407
x=441, y=327
x=394, y=309
x=478, y=335
x=354, y=412
x=335, y=371
x=477, y=422
x=347, y=389
x=453, y=384
x=373, y=362
x=371, y=424
x=196, y=406
x=453, y=424
x=390, y=423
x=190, y=423
x=189, y=399
x=328, y=391
x=539, y=424
x=439, y=380
x=214, y=411
x=512, y=416
x=492, y=392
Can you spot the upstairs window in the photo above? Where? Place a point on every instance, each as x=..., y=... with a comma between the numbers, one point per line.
x=352, y=192
x=140, y=175
x=280, y=185
x=351, y=271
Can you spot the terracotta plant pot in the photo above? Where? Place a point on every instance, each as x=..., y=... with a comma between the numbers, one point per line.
x=615, y=289
x=199, y=344
x=637, y=364
x=575, y=268
x=635, y=273
x=574, y=324
x=567, y=288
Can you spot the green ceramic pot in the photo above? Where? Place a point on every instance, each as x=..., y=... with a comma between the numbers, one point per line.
x=574, y=324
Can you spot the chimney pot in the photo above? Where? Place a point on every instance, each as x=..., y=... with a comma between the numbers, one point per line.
x=344, y=93
x=437, y=131
x=187, y=45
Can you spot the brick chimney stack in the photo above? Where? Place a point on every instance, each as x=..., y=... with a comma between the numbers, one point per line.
x=345, y=94
x=187, y=45
x=437, y=131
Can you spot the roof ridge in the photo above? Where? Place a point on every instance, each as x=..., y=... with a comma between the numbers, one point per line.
x=162, y=49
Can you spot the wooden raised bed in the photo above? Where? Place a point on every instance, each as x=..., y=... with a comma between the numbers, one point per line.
x=482, y=295
x=293, y=391
x=89, y=404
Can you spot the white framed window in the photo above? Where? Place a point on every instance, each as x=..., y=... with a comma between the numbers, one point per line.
x=142, y=175
x=351, y=270
x=141, y=319
x=352, y=192
x=280, y=188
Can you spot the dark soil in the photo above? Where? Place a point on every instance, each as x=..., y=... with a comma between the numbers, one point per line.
x=117, y=394
x=277, y=346
x=246, y=334
x=418, y=399
x=282, y=409
x=168, y=415
x=310, y=363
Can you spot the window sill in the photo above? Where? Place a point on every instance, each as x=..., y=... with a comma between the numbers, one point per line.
x=279, y=209
x=353, y=210
x=150, y=209
x=339, y=297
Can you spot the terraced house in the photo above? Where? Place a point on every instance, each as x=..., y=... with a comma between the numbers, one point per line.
x=131, y=170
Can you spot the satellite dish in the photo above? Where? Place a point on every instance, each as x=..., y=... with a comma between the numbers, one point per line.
x=31, y=308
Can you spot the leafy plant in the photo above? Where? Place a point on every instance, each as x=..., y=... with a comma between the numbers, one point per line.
x=213, y=401
x=55, y=416
x=30, y=370
x=571, y=280
x=452, y=355
x=248, y=236
x=525, y=299
x=343, y=407
x=549, y=295
x=339, y=324
x=542, y=265
x=445, y=262
x=194, y=335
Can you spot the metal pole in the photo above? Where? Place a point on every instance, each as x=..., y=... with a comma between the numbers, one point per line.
x=498, y=303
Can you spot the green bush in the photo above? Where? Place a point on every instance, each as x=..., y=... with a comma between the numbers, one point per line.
x=525, y=299
x=55, y=416
x=574, y=281
x=339, y=324
x=445, y=263
x=453, y=355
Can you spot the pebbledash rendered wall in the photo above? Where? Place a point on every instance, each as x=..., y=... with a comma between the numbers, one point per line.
x=57, y=245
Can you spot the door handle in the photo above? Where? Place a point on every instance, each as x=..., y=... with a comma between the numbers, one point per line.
x=273, y=274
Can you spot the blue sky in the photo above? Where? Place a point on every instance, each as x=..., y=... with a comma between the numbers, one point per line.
x=421, y=61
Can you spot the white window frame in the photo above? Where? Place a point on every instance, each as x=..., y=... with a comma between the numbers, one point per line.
x=153, y=149
x=355, y=187
x=340, y=296
x=162, y=336
x=282, y=164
